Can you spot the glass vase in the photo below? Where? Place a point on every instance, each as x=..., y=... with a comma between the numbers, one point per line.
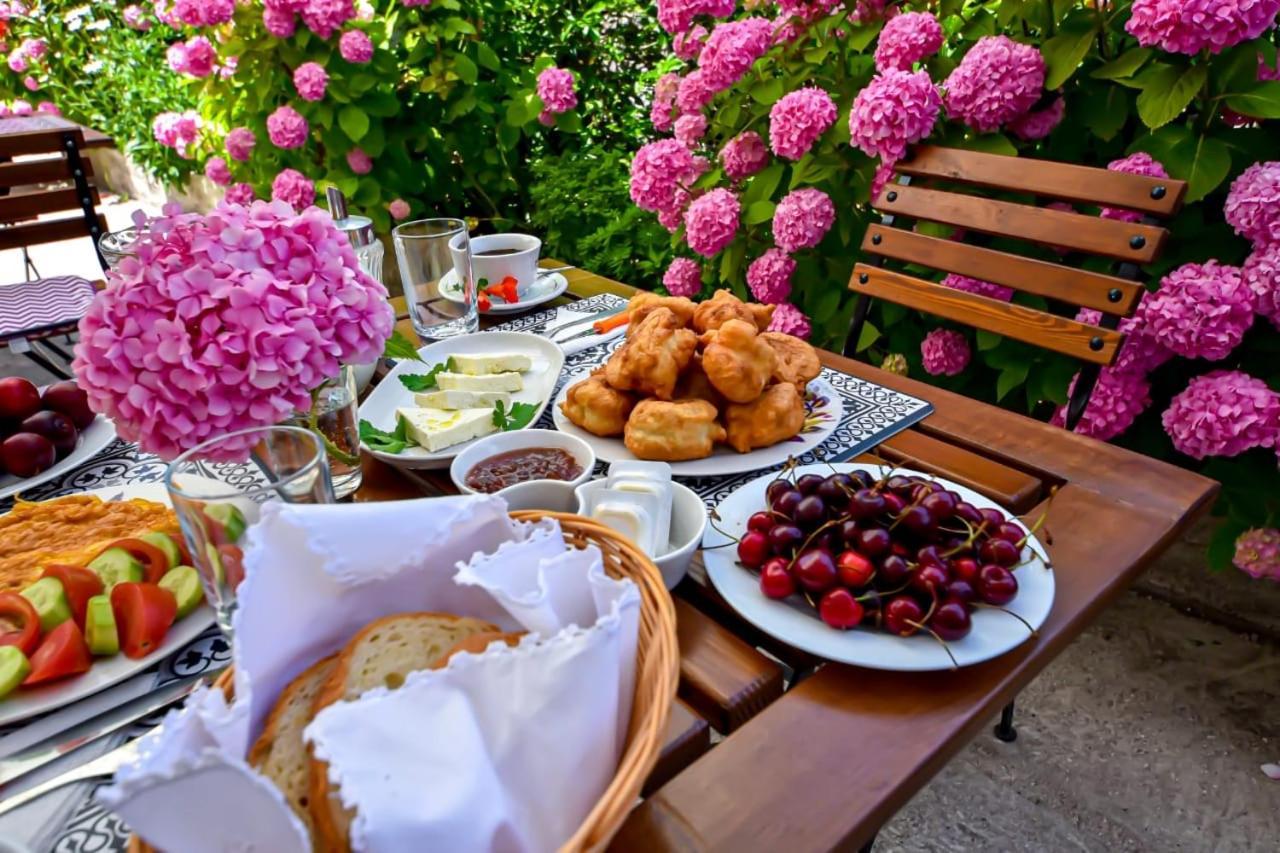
x=334, y=416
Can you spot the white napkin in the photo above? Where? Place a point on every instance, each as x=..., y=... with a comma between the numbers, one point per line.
x=508, y=749
x=564, y=314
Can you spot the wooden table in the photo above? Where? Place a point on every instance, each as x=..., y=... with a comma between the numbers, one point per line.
x=825, y=763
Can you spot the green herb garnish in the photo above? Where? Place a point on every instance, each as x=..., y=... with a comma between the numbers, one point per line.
x=425, y=381
x=398, y=346
x=518, y=417
x=385, y=442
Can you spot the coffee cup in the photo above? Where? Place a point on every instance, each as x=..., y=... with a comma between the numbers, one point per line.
x=496, y=256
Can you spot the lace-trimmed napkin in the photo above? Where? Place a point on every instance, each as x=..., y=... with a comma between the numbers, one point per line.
x=505, y=750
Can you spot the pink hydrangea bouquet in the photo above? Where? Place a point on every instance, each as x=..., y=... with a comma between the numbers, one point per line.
x=226, y=321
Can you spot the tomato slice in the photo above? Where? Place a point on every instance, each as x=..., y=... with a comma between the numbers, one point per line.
x=154, y=561
x=63, y=653
x=232, y=564
x=19, y=623
x=143, y=614
x=80, y=584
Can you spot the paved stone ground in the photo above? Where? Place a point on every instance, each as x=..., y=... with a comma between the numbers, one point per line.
x=1146, y=734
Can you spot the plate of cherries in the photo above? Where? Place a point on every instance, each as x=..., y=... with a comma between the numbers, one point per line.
x=879, y=567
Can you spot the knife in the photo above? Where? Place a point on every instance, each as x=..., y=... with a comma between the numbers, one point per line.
x=109, y=721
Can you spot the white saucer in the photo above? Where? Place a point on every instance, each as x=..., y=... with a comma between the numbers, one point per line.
x=546, y=288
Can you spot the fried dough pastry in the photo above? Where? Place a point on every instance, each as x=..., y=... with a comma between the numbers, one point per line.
x=723, y=307
x=694, y=385
x=774, y=416
x=652, y=358
x=597, y=407
x=797, y=360
x=673, y=432
x=738, y=363
x=643, y=304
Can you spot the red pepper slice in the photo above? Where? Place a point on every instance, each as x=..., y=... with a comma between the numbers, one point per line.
x=484, y=302
x=154, y=561
x=19, y=623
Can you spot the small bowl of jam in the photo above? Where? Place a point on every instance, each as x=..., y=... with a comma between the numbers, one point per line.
x=498, y=462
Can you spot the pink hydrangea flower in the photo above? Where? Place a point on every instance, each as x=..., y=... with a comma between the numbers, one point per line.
x=279, y=22
x=195, y=57
x=802, y=218
x=883, y=174
x=226, y=322
x=356, y=47
x=688, y=45
x=664, y=97
x=907, y=39
x=676, y=16
x=216, y=170
x=797, y=119
x=658, y=172
x=1138, y=163
x=326, y=17
x=683, y=278
x=769, y=277
x=240, y=142
x=24, y=108
x=1039, y=124
x=239, y=194
x=135, y=18
x=1200, y=310
x=49, y=108
x=1190, y=26
x=808, y=10
x=203, y=13
x=974, y=285
x=790, y=320
x=712, y=221
x=35, y=48
x=1253, y=204
x=732, y=49
x=1223, y=413
x=1140, y=353
x=787, y=29
x=945, y=352
x=286, y=128
x=1258, y=553
x=895, y=110
x=17, y=62
x=1261, y=271
x=690, y=128
x=359, y=162
x=555, y=88
x=174, y=130
x=311, y=80
x=399, y=209
x=744, y=155
x=693, y=93
x=293, y=188
x=31, y=83
x=1115, y=403
x=997, y=81
x=412, y=3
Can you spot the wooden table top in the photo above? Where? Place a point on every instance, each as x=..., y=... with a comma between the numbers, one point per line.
x=825, y=763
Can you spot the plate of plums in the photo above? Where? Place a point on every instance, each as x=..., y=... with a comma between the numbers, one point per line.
x=880, y=567
x=45, y=433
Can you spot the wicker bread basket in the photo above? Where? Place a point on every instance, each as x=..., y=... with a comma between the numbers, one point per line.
x=657, y=671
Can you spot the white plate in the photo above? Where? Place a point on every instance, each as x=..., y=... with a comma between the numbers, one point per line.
x=90, y=443
x=993, y=634
x=544, y=289
x=825, y=410
x=379, y=408
x=30, y=701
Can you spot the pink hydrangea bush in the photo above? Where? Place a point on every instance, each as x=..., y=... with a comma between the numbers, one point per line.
x=945, y=352
x=1140, y=353
x=1223, y=413
x=659, y=171
x=712, y=221
x=555, y=88
x=239, y=144
x=731, y=50
x=907, y=39
x=1257, y=553
x=356, y=47
x=997, y=81
x=359, y=162
x=239, y=194
x=683, y=278
x=216, y=170
x=664, y=98
x=802, y=218
x=1190, y=26
x=293, y=188
x=178, y=131
x=1261, y=272
x=676, y=16
x=769, y=276
x=311, y=81
x=399, y=209
x=135, y=18
x=690, y=128
x=1039, y=124
x=790, y=320
x=203, y=13
x=1200, y=310
x=744, y=155
x=895, y=110
x=1117, y=399
x=225, y=322
x=1139, y=163
x=195, y=57
x=798, y=119
x=1253, y=204
x=981, y=288
x=286, y=128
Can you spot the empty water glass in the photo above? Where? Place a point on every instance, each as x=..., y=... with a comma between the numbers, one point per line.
x=435, y=267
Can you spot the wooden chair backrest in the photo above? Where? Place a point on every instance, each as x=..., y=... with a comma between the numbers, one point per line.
x=958, y=173
x=58, y=181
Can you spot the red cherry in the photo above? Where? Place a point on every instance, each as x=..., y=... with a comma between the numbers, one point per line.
x=894, y=571
x=815, y=570
x=996, y=585
x=809, y=483
x=930, y=580
x=931, y=555
x=968, y=512
x=839, y=609
x=965, y=568
x=1009, y=532
x=849, y=533
x=999, y=551
x=993, y=517
x=950, y=620
x=854, y=569
x=784, y=539
x=918, y=520
x=894, y=503
x=940, y=504
x=761, y=521
x=900, y=613
x=776, y=488
x=866, y=503
x=775, y=580
x=786, y=502
x=874, y=541
x=961, y=590
x=753, y=549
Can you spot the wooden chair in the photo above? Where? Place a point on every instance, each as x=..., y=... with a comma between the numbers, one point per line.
x=52, y=178
x=951, y=177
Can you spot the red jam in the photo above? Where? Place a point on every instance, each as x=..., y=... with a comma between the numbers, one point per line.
x=520, y=466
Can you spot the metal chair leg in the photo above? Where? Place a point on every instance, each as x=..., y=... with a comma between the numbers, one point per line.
x=59, y=372
x=1005, y=730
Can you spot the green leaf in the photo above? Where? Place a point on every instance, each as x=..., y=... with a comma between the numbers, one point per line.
x=519, y=417
x=354, y=122
x=517, y=115
x=425, y=381
x=760, y=211
x=398, y=346
x=1011, y=377
x=990, y=143
x=1261, y=101
x=987, y=340
x=766, y=92
x=1168, y=91
x=1126, y=64
x=1063, y=54
x=763, y=184
x=486, y=57
x=1203, y=162
x=465, y=69
x=868, y=336
x=383, y=441
x=1222, y=545
x=1105, y=113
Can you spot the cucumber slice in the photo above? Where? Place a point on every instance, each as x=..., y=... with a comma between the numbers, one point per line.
x=165, y=543
x=100, y=627
x=14, y=669
x=50, y=601
x=231, y=519
x=184, y=583
x=116, y=565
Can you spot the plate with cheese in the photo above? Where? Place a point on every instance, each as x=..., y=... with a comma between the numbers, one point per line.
x=424, y=412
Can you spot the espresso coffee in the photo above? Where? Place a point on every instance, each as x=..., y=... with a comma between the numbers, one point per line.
x=489, y=253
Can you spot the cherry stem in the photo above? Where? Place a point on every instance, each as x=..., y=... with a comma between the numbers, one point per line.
x=942, y=642
x=712, y=518
x=986, y=606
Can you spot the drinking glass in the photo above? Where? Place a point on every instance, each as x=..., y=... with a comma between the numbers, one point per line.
x=115, y=246
x=218, y=488
x=439, y=286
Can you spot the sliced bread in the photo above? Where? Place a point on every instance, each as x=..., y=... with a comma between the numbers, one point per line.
x=382, y=654
x=279, y=753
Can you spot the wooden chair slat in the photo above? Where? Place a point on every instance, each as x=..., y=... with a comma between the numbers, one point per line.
x=28, y=205
x=39, y=140
x=48, y=231
x=1088, y=343
x=1122, y=240
x=721, y=677
x=43, y=171
x=1047, y=178
x=1013, y=489
x=1078, y=287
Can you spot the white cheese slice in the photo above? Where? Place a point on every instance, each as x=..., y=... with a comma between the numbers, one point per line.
x=454, y=400
x=436, y=429
x=498, y=362
x=488, y=382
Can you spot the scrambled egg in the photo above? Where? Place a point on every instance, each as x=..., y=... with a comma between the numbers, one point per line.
x=70, y=530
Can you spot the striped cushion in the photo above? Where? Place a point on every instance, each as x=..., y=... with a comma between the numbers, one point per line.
x=34, y=306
